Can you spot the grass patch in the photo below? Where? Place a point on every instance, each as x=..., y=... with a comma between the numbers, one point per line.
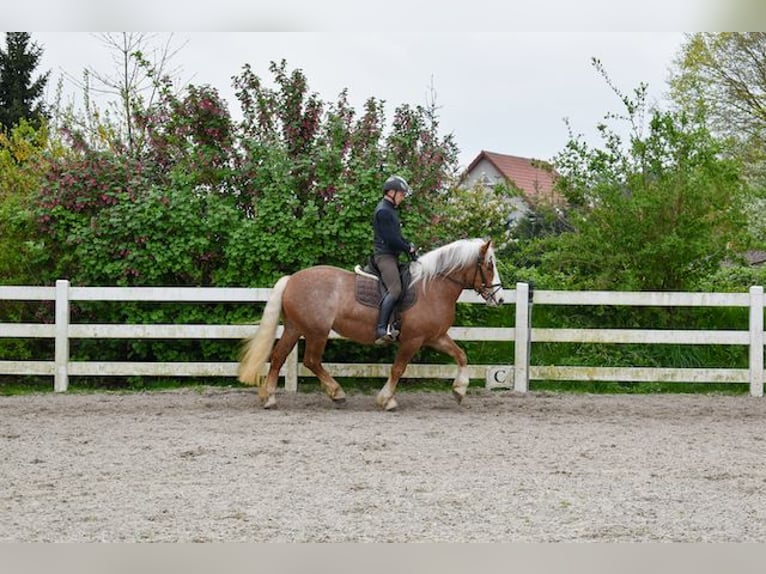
x=10, y=388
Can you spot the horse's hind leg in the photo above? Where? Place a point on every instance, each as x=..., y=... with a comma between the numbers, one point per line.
x=312, y=358
x=282, y=349
x=445, y=344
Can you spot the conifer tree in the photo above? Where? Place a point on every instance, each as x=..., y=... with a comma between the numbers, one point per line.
x=20, y=96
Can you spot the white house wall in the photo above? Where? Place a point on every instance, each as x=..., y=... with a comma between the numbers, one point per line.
x=484, y=172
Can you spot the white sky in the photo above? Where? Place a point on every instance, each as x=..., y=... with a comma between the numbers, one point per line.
x=505, y=72
x=507, y=92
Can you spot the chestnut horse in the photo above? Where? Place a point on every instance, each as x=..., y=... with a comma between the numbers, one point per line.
x=319, y=299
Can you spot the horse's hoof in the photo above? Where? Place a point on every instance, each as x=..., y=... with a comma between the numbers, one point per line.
x=339, y=397
x=385, y=399
x=458, y=396
x=270, y=403
x=339, y=402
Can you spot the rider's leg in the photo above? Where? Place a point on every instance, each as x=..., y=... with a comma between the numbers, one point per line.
x=389, y=272
x=383, y=332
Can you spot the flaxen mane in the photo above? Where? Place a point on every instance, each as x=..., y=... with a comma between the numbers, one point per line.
x=445, y=259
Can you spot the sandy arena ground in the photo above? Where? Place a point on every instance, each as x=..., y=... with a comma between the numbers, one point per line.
x=211, y=465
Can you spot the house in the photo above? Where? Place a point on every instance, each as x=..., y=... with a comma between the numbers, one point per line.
x=534, y=178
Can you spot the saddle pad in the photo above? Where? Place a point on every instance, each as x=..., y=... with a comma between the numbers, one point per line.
x=368, y=294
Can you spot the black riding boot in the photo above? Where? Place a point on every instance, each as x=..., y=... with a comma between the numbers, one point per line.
x=382, y=333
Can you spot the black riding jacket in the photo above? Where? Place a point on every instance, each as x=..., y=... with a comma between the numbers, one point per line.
x=388, y=230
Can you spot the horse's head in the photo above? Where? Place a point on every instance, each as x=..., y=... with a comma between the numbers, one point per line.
x=486, y=280
x=469, y=263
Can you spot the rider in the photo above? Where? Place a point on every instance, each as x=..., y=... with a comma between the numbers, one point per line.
x=389, y=243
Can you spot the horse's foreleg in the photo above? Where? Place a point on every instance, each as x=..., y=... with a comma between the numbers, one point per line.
x=282, y=349
x=385, y=398
x=312, y=358
x=445, y=344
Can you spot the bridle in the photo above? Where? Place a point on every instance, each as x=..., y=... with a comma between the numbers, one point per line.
x=488, y=290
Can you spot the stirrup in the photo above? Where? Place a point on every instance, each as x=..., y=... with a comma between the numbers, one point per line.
x=390, y=336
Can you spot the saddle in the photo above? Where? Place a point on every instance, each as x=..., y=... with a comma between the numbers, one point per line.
x=370, y=289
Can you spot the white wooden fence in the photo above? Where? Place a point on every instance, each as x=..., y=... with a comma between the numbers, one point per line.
x=514, y=374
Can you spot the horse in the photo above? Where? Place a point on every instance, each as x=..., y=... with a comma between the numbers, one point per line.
x=319, y=299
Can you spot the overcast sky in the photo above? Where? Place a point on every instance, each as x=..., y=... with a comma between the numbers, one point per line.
x=502, y=92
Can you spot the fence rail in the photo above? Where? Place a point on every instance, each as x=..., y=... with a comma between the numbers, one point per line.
x=515, y=373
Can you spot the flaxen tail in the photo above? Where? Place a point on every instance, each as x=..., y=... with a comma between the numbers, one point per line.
x=257, y=348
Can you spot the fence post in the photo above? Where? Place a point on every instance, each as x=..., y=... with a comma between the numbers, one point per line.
x=61, y=358
x=756, y=341
x=522, y=339
x=291, y=374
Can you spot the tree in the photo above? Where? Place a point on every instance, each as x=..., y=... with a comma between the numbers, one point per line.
x=659, y=213
x=142, y=72
x=24, y=156
x=20, y=97
x=723, y=75
x=479, y=211
x=293, y=185
x=312, y=172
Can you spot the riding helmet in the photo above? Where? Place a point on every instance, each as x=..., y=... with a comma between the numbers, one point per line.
x=396, y=183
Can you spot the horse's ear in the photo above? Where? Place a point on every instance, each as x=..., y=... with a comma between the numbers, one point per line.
x=485, y=247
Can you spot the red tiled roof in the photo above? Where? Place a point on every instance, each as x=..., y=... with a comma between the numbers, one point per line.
x=534, y=177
